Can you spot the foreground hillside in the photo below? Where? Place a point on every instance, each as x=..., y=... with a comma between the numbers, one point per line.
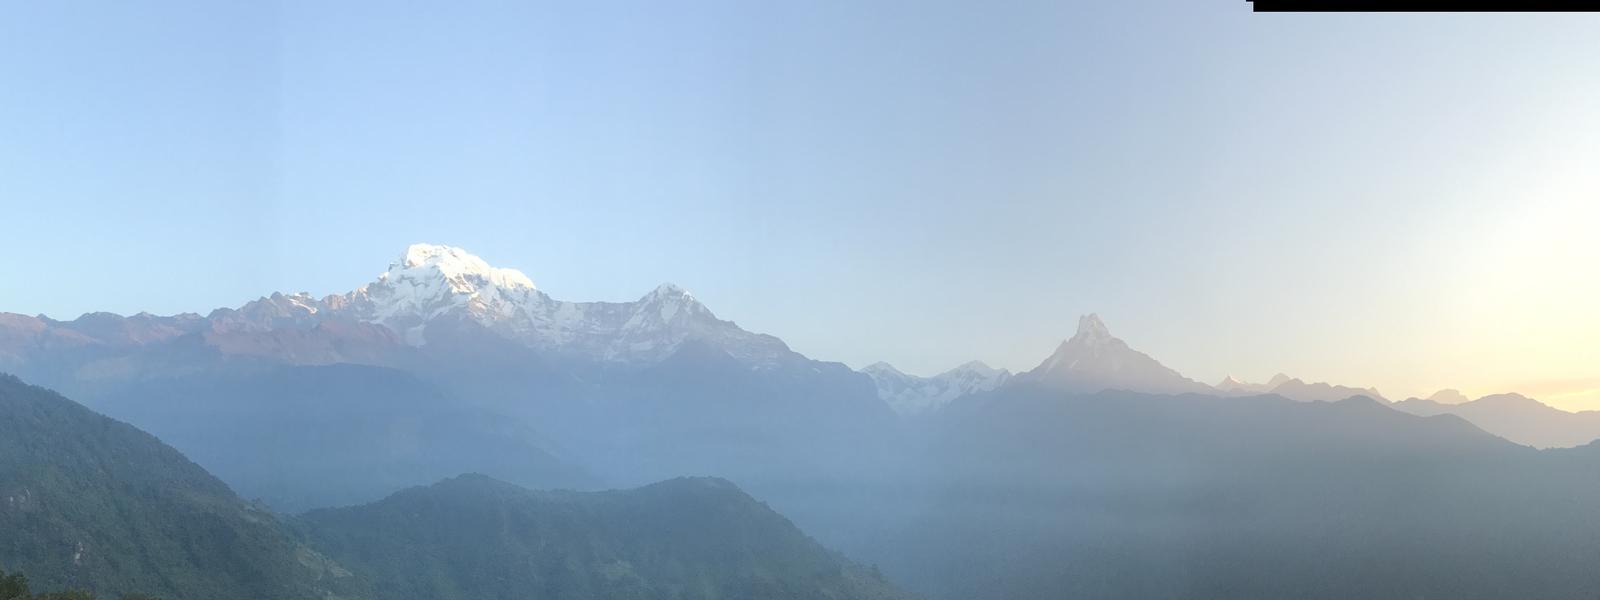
x=92, y=503
x=476, y=538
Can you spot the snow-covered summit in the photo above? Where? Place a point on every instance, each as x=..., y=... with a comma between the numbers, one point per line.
x=460, y=269
x=1091, y=330
x=432, y=282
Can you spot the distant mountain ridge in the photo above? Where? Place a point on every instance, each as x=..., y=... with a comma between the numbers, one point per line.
x=426, y=286
x=1514, y=417
x=1294, y=388
x=913, y=395
x=431, y=282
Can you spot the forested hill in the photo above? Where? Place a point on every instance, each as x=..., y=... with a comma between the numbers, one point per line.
x=473, y=537
x=92, y=503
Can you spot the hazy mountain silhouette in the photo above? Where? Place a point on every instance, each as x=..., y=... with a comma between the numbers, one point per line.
x=1296, y=389
x=1093, y=360
x=1116, y=494
x=301, y=437
x=913, y=395
x=1515, y=417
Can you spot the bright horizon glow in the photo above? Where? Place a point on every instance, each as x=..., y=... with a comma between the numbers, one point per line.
x=1399, y=201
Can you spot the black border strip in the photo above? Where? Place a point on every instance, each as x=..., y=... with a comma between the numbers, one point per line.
x=1424, y=6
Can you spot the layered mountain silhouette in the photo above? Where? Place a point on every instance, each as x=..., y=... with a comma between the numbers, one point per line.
x=1514, y=417
x=1123, y=495
x=1099, y=473
x=302, y=437
x=1295, y=389
x=90, y=503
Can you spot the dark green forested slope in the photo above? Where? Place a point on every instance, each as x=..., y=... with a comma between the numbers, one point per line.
x=93, y=503
x=473, y=537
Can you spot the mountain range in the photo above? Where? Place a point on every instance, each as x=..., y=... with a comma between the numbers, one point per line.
x=567, y=394
x=1100, y=472
x=1296, y=389
x=1514, y=417
x=913, y=395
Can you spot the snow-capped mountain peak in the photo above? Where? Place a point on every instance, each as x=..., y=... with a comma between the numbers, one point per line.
x=463, y=271
x=431, y=280
x=432, y=285
x=669, y=290
x=1093, y=360
x=1091, y=330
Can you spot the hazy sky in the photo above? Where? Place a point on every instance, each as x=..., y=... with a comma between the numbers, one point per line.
x=1405, y=201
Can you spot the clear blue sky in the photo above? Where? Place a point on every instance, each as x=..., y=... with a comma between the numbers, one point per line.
x=1405, y=201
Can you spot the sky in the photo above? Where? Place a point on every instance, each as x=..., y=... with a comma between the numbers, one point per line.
x=1401, y=201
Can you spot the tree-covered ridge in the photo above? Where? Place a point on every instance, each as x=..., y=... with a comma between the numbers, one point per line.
x=93, y=507
x=473, y=537
x=91, y=503
x=15, y=587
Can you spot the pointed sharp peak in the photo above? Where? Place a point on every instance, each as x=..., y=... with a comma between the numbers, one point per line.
x=1090, y=328
x=1229, y=382
x=668, y=290
x=881, y=367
